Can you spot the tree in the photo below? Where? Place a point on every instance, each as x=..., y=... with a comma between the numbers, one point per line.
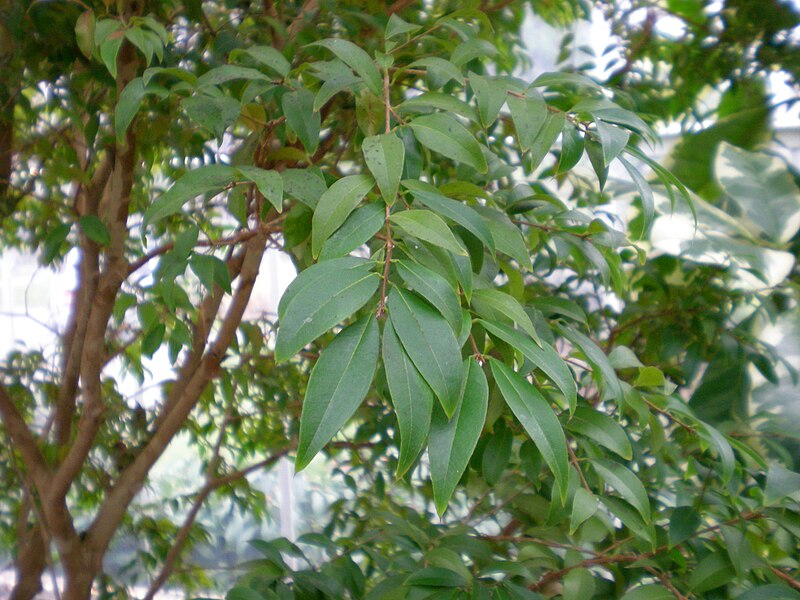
x=486, y=334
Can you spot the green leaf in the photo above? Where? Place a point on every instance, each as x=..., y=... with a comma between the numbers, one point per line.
x=443, y=134
x=210, y=178
x=601, y=366
x=298, y=107
x=712, y=572
x=307, y=185
x=335, y=205
x=225, y=73
x=151, y=341
x=430, y=343
x=507, y=236
x=578, y=585
x=490, y=95
x=529, y=115
x=434, y=288
x=54, y=240
x=683, y=524
x=358, y=229
x=571, y=148
x=338, y=383
x=109, y=49
x=412, y=399
x=471, y=49
x=770, y=592
x=357, y=59
x=550, y=305
x=95, y=230
x=626, y=484
x=454, y=210
x=453, y=441
x=211, y=271
x=213, y=113
x=781, y=483
x=319, y=298
x=601, y=428
x=612, y=140
x=269, y=183
x=385, y=156
x=495, y=305
x=722, y=447
x=645, y=192
x=440, y=65
x=429, y=227
x=651, y=591
x=128, y=104
x=631, y=518
x=538, y=419
x=397, y=26
x=544, y=357
x=595, y=153
x=437, y=100
x=496, y=455
x=436, y=577
x=267, y=56
x=584, y=506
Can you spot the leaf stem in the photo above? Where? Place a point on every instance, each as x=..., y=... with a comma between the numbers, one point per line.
x=387, y=260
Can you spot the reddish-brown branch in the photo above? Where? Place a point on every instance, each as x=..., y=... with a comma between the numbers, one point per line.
x=386, y=263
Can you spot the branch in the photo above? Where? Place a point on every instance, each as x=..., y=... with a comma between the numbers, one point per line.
x=24, y=441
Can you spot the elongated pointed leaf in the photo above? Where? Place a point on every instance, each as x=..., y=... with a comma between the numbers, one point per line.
x=357, y=59
x=128, y=104
x=496, y=305
x=321, y=301
x=490, y=95
x=529, y=115
x=211, y=178
x=412, y=399
x=307, y=185
x=602, y=367
x=358, y=229
x=269, y=183
x=451, y=209
x=645, y=192
x=267, y=56
x=626, y=484
x=613, y=140
x=507, y=236
x=538, y=419
x=338, y=383
x=335, y=205
x=602, y=429
x=428, y=227
x=436, y=100
x=385, y=156
x=584, y=505
x=434, y=288
x=443, y=134
x=430, y=343
x=298, y=107
x=309, y=278
x=544, y=357
x=453, y=441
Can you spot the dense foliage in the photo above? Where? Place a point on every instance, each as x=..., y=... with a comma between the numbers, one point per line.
x=522, y=344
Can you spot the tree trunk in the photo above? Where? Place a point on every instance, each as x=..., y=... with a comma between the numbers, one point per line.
x=80, y=571
x=29, y=565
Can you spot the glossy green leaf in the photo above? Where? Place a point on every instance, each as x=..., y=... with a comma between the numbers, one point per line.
x=626, y=485
x=631, y=518
x=335, y=205
x=490, y=95
x=95, y=230
x=319, y=298
x=211, y=271
x=397, y=26
x=651, y=591
x=507, y=237
x=440, y=65
x=437, y=100
x=412, y=399
x=385, y=156
x=210, y=178
x=128, y=104
x=298, y=107
x=723, y=449
x=544, y=357
x=358, y=229
x=339, y=381
x=430, y=343
x=645, y=193
x=269, y=184
x=443, y=134
x=770, y=592
x=781, y=483
x=267, y=56
x=496, y=455
x=601, y=366
x=226, y=73
x=453, y=440
x=213, y=113
x=307, y=185
x=683, y=523
x=428, y=227
x=454, y=210
x=495, y=305
x=552, y=305
x=357, y=59
x=436, y=577
x=571, y=148
x=471, y=49
x=529, y=115
x=601, y=428
x=538, y=419
x=434, y=288
x=578, y=585
x=613, y=140
x=713, y=571
x=584, y=506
